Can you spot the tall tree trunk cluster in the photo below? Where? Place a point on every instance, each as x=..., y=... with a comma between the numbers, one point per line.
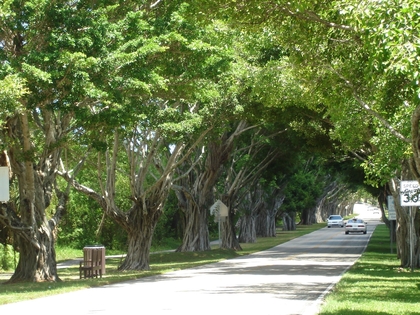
x=229, y=238
x=139, y=224
x=252, y=205
x=266, y=220
x=246, y=228
x=32, y=228
x=238, y=181
x=289, y=221
x=195, y=192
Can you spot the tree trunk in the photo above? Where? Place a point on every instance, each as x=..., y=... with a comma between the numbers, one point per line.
x=271, y=224
x=32, y=230
x=382, y=200
x=403, y=236
x=263, y=224
x=36, y=245
x=247, y=230
x=252, y=204
x=140, y=237
x=229, y=238
x=37, y=261
x=289, y=223
x=196, y=234
x=139, y=222
x=267, y=217
x=270, y=218
x=305, y=218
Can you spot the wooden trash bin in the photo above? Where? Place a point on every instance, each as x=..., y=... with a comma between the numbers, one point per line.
x=93, y=263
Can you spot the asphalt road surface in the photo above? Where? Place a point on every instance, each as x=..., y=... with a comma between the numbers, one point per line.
x=289, y=279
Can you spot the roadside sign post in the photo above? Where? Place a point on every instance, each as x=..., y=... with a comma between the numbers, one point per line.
x=4, y=184
x=410, y=197
x=392, y=216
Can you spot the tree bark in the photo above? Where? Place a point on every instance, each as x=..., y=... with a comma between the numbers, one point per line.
x=305, y=218
x=37, y=261
x=196, y=234
x=266, y=220
x=289, y=221
x=247, y=229
x=251, y=205
x=229, y=238
x=140, y=235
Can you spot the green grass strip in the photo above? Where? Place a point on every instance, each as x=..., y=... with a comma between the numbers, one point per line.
x=376, y=284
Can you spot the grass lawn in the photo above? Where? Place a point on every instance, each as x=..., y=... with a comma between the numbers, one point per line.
x=159, y=264
x=376, y=284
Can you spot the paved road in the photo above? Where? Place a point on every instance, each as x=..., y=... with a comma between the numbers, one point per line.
x=289, y=279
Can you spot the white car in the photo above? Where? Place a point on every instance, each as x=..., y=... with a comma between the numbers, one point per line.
x=335, y=220
x=356, y=225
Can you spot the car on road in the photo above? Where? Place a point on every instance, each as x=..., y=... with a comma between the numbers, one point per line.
x=356, y=225
x=335, y=220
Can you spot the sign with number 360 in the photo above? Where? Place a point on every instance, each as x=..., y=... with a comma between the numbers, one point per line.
x=410, y=193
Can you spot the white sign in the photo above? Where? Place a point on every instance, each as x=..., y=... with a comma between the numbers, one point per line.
x=391, y=209
x=4, y=183
x=219, y=210
x=410, y=193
